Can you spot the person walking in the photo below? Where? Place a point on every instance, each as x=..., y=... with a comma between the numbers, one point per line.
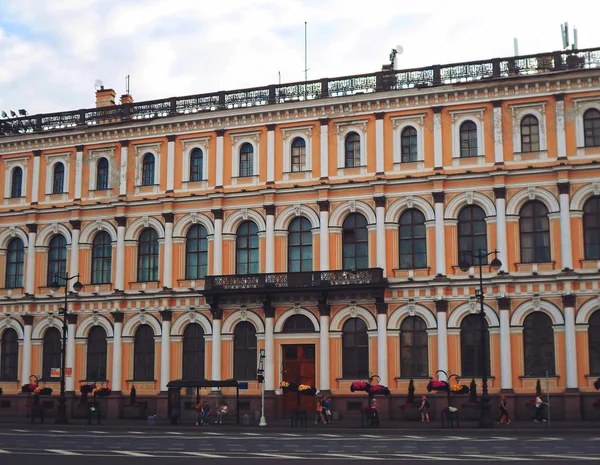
x=539, y=409
x=503, y=411
x=424, y=409
x=326, y=407
x=205, y=413
x=319, y=415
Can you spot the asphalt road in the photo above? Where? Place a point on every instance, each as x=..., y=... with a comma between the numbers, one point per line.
x=48, y=444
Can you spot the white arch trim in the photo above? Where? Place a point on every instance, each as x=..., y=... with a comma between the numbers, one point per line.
x=528, y=307
x=90, y=230
x=191, y=318
x=465, y=309
x=470, y=198
x=235, y=219
x=11, y=323
x=11, y=233
x=353, y=311
x=291, y=312
x=136, y=227
x=137, y=320
x=404, y=311
x=184, y=224
x=43, y=238
x=585, y=311
x=40, y=328
x=583, y=194
x=400, y=206
x=343, y=210
x=86, y=325
x=532, y=193
x=286, y=216
x=243, y=315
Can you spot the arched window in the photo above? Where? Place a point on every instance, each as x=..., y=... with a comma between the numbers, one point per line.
x=193, y=352
x=594, y=343
x=472, y=235
x=196, y=253
x=245, y=360
x=101, y=258
x=246, y=248
x=102, y=174
x=148, y=256
x=298, y=154
x=530, y=134
x=298, y=324
x=300, y=245
x=196, y=165
x=58, y=178
x=352, y=150
x=57, y=258
x=591, y=228
x=414, y=360
x=148, y=170
x=355, y=242
x=534, y=227
x=143, y=354
x=468, y=139
x=9, y=349
x=412, y=240
x=408, y=142
x=15, y=259
x=96, y=354
x=538, y=345
x=246, y=160
x=591, y=127
x=470, y=346
x=355, y=349
x=51, y=352
x=16, y=183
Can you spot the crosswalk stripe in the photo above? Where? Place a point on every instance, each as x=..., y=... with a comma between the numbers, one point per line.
x=276, y=456
x=135, y=432
x=213, y=434
x=62, y=452
x=503, y=458
x=133, y=454
x=369, y=436
x=21, y=430
x=174, y=432
x=205, y=455
x=571, y=457
x=251, y=434
x=290, y=434
x=413, y=437
x=2, y=451
x=330, y=435
x=427, y=457
x=56, y=431
x=98, y=432
x=350, y=456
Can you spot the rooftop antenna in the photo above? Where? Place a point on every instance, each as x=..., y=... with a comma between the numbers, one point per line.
x=127, y=84
x=564, y=31
x=305, y=58
x=279, y=74
x=399, y=50
x=98, y=84
x=516, y=46
x=575, y=39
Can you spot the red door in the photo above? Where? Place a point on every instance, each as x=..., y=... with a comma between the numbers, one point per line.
x=298, y=367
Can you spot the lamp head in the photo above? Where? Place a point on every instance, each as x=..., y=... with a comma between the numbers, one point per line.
x=496, y=264
x=262, y=353
x=464, y=265
x=77, y=286
x=55, y=286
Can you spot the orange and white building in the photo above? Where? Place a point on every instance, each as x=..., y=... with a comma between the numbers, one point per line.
x=322, y=222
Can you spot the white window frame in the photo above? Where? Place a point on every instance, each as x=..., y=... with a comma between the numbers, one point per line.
x=289, y=135
x=140, y=150
x=581, y=106
x=399, y=123
x=187, y=146
x=458, y=117
x=9, y=165
x=237, y=140
x=94, y=155
x=51, y=160
x=519, y=112
x=342, y=129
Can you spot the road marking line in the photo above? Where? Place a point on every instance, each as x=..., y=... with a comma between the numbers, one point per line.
x=2, y=451
x=572, y=457
x=499, y=438
x=99, y=432
x=205, y=455
x=427, y=457
x=21, y=430
x=290, y=434
x=174, y=432
x=502, y=458
x=251, y=434
x=62, y=452
x=456, y=438
x=349, y=456
x=412, y=437
x=369, y=436
x=330, y=435
x=276, y=456
x=131, y=453
x=213, y=434
x=56, y=431
x=135, y=432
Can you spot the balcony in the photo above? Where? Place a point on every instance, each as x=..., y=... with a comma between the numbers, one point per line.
x=310, y=281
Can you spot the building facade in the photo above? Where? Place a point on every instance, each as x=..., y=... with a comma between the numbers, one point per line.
x=322, y=222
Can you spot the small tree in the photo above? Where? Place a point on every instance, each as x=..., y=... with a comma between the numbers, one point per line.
x=538, y=388
x=411, y=392
x=473, y=391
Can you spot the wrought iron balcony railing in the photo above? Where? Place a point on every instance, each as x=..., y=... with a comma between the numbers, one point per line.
x=382, y=81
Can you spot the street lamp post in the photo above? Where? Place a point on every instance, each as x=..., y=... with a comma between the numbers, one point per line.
x=485, y=420
x=260, y=376
x=61, y=417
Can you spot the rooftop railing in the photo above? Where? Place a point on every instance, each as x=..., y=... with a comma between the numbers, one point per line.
x=381, y=81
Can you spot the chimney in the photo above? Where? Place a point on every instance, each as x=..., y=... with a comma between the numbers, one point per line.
x=126, y=98
x=105, y=97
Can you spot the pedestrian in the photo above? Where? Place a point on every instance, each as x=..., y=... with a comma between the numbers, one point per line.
x=222, y=411
x=205, y=413
x=424, y=408
x=503, y=411
x=198, y=413
x=319, y=415
x=326, y=405
x=539, y=409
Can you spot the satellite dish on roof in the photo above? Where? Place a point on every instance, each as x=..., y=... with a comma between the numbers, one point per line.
x=399, y=49
x=98, y=84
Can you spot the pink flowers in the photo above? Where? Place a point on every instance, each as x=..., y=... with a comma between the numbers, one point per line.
x=379, y=390
x=359, y=386
x=435, y=385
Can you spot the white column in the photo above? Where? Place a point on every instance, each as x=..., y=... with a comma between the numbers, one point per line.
x=498, y=143
x=324, y=235
x=324, y=351
x=74, y=266
x=35, y=181
x=442, y=337
x=123, y=173
x=168, y=259
x=324, y=148
x=170, y=163
x=440, y=235
x=271, y=153
x=30, y=277
x=570, y=342
x=438, y=160
x=216, y=349
x=565, y=227
x=218, y=243
x=501, y=243
x=379, y=153
x=561, y=140
x=382, y=356
x=26, y=362
x=381, y=242
x=78, y=172
x=269, y=352
x=505, y=351
x=270, y=239
x=165, y=350
x=70, y=380
x=220, y=158
x=117, y=352
x=120, y=266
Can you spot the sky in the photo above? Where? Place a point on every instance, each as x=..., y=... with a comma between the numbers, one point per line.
x=53, y=51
